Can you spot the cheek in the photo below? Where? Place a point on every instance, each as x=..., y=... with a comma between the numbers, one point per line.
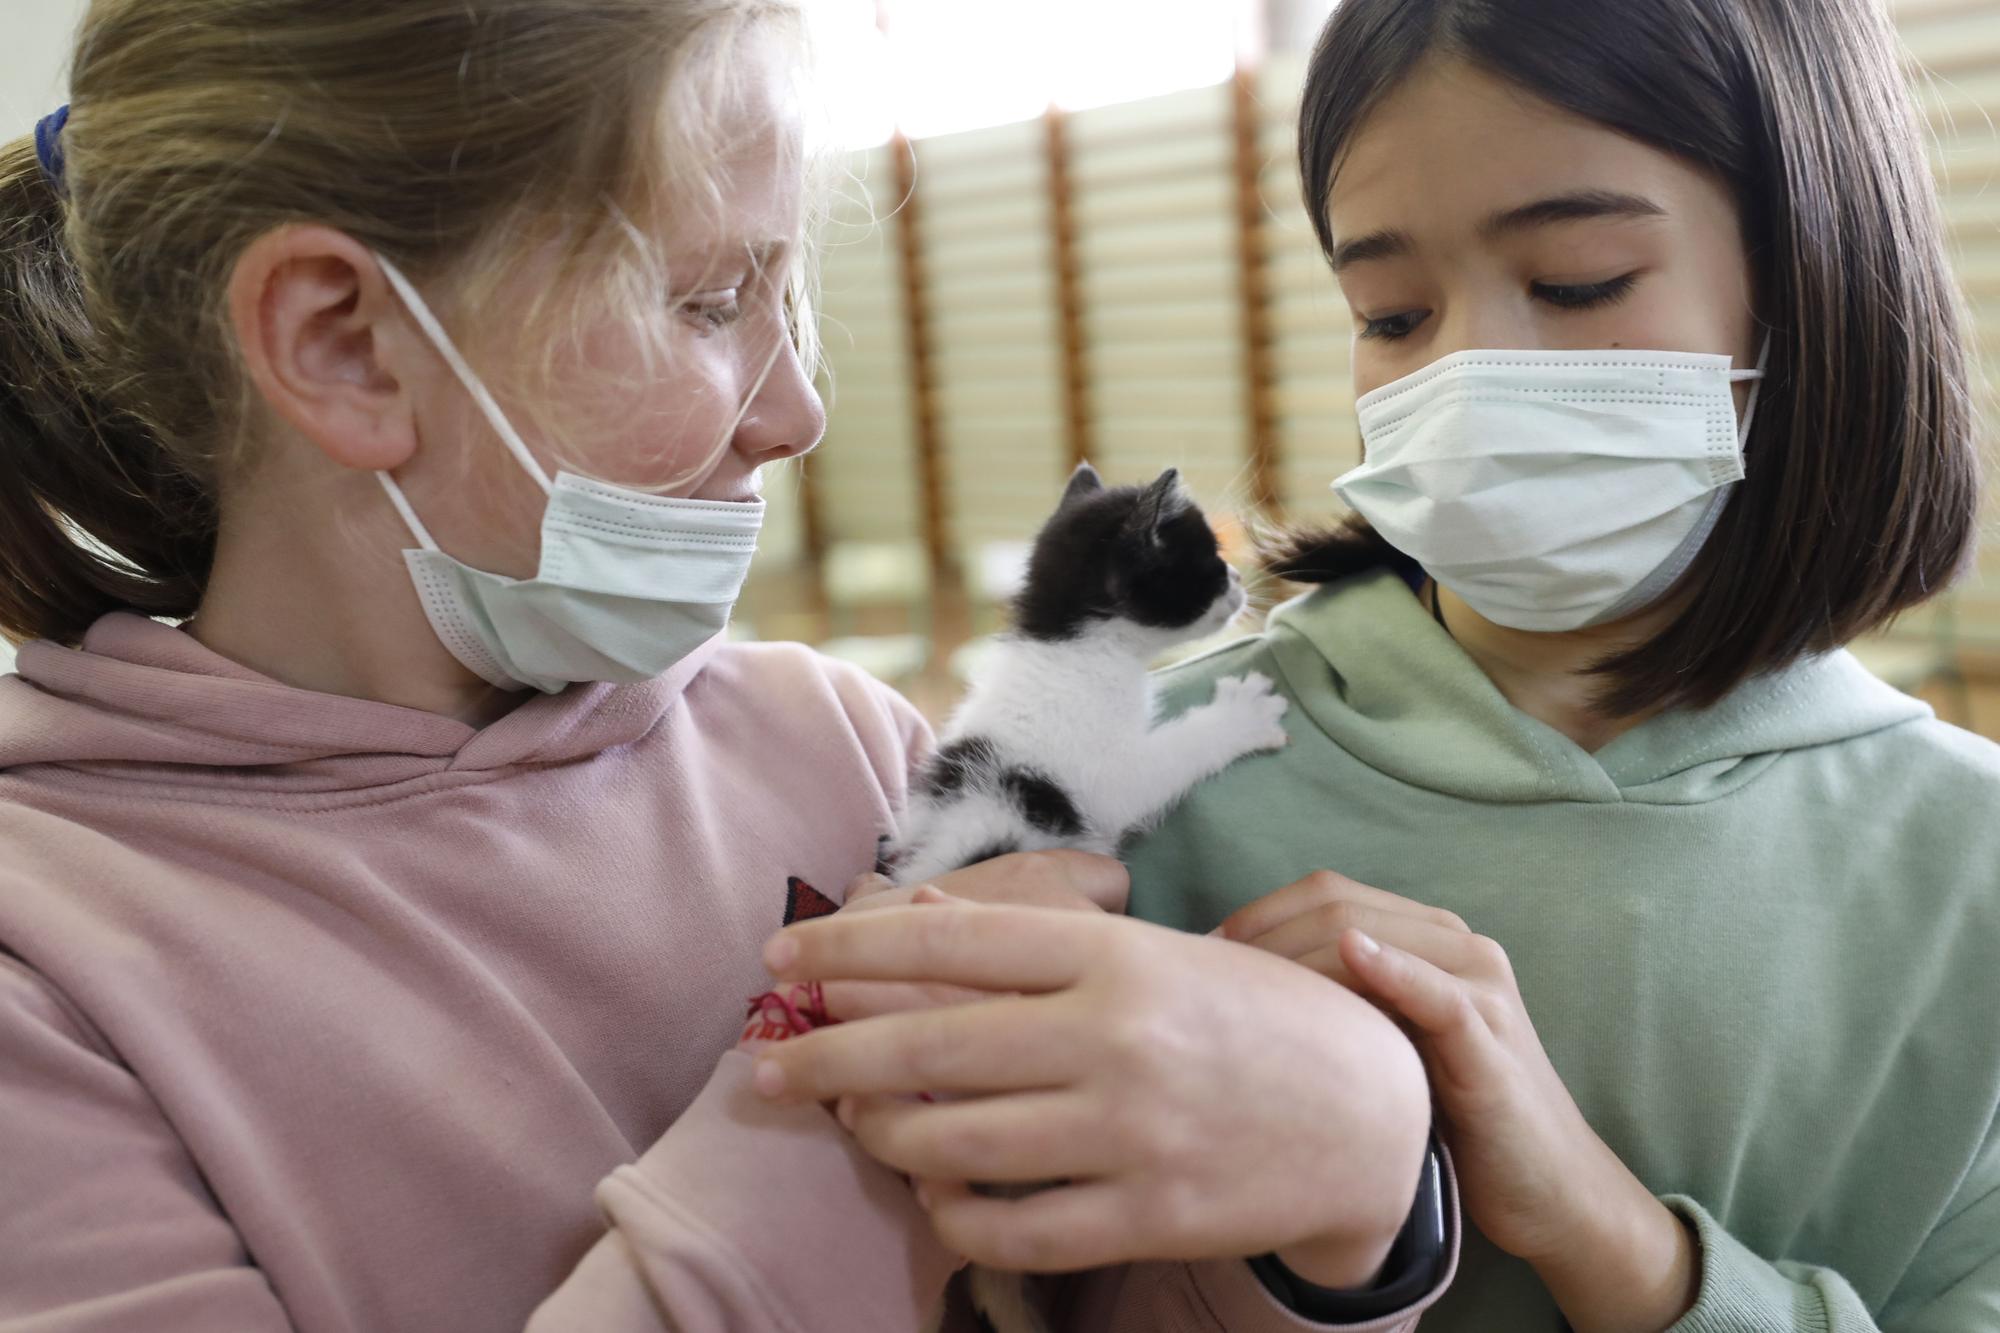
x=1671, y=311
x=653, y=423
x=678, y=421
x=1697, y=298
x=478, y=502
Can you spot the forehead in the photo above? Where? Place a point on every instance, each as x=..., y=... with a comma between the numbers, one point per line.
x=1451, y=144
x=753, y=185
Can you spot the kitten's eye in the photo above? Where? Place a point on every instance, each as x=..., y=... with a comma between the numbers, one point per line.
x=1586, y=295
x=1389, y=328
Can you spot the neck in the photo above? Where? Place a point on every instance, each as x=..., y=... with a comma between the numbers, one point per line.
x=1547, y=676
x=329, y=606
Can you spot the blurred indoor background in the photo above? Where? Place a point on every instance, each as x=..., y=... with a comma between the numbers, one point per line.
x=1072, y=229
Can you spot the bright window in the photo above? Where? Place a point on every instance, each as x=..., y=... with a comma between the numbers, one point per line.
x=939, y=66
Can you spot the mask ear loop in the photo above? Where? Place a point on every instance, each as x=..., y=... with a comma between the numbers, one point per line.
x=442, y=342
x=1756, y=388
x=410, y=519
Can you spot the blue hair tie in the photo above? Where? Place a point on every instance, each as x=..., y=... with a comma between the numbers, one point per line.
x=48, y=145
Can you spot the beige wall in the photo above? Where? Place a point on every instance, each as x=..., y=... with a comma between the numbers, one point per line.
x=34, y=59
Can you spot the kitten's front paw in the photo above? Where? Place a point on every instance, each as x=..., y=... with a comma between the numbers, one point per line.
x=1253, y=709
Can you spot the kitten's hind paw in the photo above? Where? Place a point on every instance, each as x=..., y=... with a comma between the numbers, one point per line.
x=1254, y=709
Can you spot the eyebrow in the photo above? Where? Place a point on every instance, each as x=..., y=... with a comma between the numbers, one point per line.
x=1576, y=206
x=763, y=254
x=701, y=266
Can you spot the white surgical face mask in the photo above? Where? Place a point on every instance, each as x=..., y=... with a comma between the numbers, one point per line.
x=1553, y=490
x=629, y=583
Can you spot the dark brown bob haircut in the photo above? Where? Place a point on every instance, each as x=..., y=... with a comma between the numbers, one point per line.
x=1864, y=482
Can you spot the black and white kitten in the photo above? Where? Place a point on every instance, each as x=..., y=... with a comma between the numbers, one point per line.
x=1056, y=744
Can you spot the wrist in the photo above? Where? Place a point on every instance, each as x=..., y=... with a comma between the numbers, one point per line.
x=1357, y=1258
x=1630, y=1265
x=1343, y=1263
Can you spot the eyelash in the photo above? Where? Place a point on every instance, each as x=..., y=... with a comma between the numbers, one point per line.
x=716, y=316
x=1588, y=295
x=1584, y=296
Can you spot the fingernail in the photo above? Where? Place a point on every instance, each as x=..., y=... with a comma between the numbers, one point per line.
x=923, y=1196
x=930, y=893
x=780, y=953
x=1221, y=932
x=1366, y=943
x=768, y=1078
x=844, y=1113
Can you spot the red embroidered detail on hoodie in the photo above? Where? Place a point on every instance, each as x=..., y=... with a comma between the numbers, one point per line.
x=803, y=902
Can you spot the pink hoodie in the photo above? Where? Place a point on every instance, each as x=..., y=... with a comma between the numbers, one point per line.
x=324, y=1014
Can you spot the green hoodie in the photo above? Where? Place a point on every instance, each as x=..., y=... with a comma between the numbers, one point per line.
x=1761, y=943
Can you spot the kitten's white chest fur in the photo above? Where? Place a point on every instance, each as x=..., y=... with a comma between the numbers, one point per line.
x=1081, y=714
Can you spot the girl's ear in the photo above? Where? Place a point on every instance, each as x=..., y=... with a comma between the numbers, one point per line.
x=322, y=337
x=1083, y=482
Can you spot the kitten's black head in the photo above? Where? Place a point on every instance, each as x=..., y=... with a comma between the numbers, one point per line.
x=1139, y=554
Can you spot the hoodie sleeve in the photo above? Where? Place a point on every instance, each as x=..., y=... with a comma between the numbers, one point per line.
x=749, y=1215
x=743, y=1216
x=105, y=1222
x=1952, y=1285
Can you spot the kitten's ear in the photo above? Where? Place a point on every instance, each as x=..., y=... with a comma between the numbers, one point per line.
x=1083, y=482
x=1164, y=500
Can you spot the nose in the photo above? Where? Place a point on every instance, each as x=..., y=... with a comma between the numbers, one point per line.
x=1478, y=324
x=785, y=417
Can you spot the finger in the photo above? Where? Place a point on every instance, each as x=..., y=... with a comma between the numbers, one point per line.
x=1044, y=879
x=849, y=1001
x=1432, y=999
x=1067, y=1228
x=1316, y=890
x=867, y=886
x=1319, y=929
x=871, y=891
x=1000, y=948
x=1018, y=1138
x=1004, y=1045
x=924, y=1189
x=876, y=899
x=905, y=895
x=1329, y=964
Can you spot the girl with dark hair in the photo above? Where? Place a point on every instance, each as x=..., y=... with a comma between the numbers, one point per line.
x=1663, y=400
x=375, y=934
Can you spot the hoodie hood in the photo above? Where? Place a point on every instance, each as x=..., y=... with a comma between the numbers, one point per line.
x=147, y=703
x=1408, y=701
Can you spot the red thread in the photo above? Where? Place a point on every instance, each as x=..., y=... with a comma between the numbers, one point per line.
x=776, y=1015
